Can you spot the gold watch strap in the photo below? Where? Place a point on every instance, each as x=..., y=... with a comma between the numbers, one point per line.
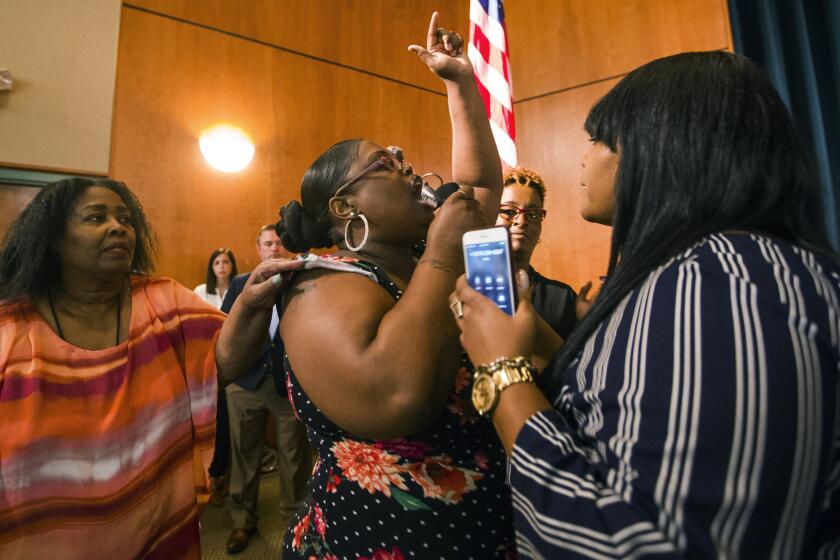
x=503, y=372
x=507, y=375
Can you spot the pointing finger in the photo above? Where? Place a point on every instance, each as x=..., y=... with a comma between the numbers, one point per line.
x=431, y=37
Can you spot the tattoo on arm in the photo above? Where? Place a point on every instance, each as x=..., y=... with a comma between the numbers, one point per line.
x=438, y=264
x=300, y=289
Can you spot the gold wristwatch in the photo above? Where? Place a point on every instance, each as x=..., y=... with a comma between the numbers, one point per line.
x=491, y=379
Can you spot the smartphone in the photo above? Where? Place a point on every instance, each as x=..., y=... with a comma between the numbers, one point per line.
x=489, y=267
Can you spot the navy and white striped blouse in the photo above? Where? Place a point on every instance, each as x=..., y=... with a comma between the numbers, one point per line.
x=700, y=419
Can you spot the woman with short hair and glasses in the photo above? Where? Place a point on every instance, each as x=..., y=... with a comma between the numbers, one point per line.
x=374, y=367
x=522, y=213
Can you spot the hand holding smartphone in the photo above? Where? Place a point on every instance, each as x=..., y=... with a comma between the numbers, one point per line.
x=489, y=267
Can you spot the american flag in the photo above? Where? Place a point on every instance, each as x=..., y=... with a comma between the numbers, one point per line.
x=488, y=52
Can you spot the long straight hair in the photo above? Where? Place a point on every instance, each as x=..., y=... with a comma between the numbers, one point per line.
x=705, y=145
x=210, y=279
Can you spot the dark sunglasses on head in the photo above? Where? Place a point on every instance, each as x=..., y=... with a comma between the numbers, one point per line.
x=522, y=180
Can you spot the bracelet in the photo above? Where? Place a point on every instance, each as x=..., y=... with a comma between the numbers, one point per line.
x=505, y=361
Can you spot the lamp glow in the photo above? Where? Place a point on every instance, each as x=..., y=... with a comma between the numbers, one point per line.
x=226, y=148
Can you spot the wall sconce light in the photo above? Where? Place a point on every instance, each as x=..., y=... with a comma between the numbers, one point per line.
x=226, y=148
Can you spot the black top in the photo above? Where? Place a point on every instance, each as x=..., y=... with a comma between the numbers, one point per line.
x=554, y=302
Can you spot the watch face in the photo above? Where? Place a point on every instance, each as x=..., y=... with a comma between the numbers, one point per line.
x=483, y=393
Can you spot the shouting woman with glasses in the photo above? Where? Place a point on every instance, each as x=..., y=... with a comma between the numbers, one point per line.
x=374, y=367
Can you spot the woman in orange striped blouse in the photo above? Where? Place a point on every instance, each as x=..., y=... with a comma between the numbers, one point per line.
x=107, y=384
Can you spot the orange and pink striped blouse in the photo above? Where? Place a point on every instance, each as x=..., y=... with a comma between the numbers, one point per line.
x=104, y=453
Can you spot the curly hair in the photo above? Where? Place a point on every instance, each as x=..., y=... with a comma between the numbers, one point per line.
x=30, y=261
x=526, y=178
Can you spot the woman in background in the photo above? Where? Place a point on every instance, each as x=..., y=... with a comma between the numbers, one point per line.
x=694, y=411
x=522, y=212
x=221, y=268
x=107, y=384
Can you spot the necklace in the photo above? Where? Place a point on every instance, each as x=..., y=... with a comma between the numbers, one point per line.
x=58, y=325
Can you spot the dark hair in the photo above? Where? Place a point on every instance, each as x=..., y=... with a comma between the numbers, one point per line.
x=211, y=276
x=705, y=145
x=29, y=263
x=527, y=178
x=307, y=224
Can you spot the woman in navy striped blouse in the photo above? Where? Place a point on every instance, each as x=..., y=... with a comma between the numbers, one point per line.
x=694, y=411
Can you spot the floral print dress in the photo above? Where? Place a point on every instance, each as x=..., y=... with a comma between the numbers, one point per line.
x=440, y=493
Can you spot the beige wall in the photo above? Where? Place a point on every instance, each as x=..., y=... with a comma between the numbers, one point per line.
x=62, y=55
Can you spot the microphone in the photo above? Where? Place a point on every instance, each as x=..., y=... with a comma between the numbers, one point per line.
x=445, y=191
x=435, y=198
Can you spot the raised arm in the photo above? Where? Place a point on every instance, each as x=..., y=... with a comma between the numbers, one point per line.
x=475, y=160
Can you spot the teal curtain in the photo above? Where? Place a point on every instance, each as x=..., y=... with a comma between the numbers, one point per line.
x=798, y=43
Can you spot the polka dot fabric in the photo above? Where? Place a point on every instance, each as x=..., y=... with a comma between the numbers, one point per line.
x=440, y=493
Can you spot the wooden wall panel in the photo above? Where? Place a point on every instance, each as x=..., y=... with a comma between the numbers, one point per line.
x=552, y=141
x=175, y=79
x=565, y=56
x=562, y=44
x=13, y=199
x=367, y=34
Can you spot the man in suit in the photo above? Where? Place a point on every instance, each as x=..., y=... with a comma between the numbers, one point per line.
x=260, y=391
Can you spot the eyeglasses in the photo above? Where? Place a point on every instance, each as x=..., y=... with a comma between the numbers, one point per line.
x=509, y=213
x=390, y=163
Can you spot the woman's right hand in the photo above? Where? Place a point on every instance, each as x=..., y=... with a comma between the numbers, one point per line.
x=444, y=53
x=266, y=281
x=460, y=213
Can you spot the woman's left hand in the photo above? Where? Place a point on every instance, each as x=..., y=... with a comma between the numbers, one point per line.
x=444, y=53
x=266, y=281
x=487, y=332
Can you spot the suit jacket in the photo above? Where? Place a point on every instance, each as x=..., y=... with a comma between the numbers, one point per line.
x=270, y=360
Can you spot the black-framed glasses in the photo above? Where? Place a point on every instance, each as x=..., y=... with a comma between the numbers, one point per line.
x=509, y=213
x=392, y=163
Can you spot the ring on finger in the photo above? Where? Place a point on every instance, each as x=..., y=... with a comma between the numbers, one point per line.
x=464, y=194
x=457, y=308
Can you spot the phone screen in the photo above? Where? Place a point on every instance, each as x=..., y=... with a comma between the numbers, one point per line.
x=489, y=272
